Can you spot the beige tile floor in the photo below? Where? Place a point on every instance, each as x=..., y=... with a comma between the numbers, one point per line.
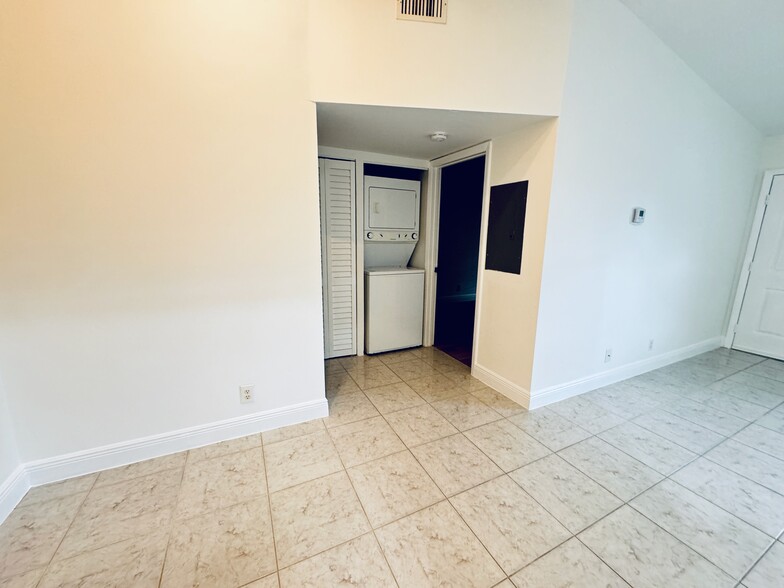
x=421, y=476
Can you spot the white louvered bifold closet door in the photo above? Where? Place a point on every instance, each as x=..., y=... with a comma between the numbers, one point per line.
x=338, y=256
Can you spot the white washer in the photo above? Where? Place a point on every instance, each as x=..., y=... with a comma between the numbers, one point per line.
x=394, y=303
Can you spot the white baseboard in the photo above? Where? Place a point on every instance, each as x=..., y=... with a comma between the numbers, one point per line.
x=500, y=384
x=12, y=490
x=575, y=387
x=79, y=463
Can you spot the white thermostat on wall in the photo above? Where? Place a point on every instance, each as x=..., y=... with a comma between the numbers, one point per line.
x=638, y=217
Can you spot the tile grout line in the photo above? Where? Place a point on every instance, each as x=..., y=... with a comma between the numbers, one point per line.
x=628, y=502
x=172, y=521
x=269, y=507
x=600, y=558
x=110, y=544
x=316, y=554
x=462, y=518
x=407, y=448
x=359, y=501
x=679, y=540
x=668, y=477
x=65, y=534
x=504, y=473
x=446, y=498
x=760, y=558
x=364, y=511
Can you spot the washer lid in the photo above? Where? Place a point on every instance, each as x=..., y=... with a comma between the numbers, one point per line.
x=389, y=271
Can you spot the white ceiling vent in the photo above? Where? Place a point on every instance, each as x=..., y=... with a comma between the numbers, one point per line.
x=424, y=10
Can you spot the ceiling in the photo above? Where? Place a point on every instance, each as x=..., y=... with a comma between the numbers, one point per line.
x=406, y=131
x=736, y=46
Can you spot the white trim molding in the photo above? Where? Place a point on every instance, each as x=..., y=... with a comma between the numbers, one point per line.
x=80, y=463
x=500, y=384
x=12, y=490
x=605, y=378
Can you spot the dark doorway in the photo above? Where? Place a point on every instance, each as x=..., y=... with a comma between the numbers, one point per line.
x=460, y=219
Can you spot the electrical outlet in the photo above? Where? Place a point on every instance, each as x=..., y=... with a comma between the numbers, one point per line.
x=246, y=394
x=650, y=345
x=608, y=356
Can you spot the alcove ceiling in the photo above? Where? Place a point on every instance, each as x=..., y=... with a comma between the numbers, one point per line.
x=406, y=131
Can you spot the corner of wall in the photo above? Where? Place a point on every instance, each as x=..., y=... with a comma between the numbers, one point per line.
x=12, y=490
x=509, y=303
x=13, y=477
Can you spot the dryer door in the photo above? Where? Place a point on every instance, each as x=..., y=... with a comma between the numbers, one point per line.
x=391, y=205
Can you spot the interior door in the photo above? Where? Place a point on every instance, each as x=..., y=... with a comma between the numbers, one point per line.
x=760, y=329
x=459, y=227
x=338, y=256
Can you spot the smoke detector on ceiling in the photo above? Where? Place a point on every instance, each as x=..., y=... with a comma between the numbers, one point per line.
x=438, y=136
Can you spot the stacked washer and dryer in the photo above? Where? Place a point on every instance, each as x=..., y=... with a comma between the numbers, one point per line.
x=394, y=292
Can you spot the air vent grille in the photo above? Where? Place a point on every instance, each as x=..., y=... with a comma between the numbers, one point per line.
x=424, y=10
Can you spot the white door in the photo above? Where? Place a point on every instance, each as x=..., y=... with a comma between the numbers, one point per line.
x=760, y=328
x=338, y=256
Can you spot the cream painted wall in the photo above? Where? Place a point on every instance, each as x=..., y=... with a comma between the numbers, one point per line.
x=510, y=303
x=638, y=128
x=772, y=153
x=157, y=154
x=493, y=55
x=159, y=227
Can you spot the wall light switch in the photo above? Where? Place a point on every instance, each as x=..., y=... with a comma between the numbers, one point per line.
x=638, y=217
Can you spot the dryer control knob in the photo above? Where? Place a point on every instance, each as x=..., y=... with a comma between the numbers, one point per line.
x=370, y=235
x=413, y=235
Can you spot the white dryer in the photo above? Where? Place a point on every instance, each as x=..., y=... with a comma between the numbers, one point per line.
x=391, y=221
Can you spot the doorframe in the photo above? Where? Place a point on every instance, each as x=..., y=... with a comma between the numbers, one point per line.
x=751, y=250
x=360, y=158
x=433, y=213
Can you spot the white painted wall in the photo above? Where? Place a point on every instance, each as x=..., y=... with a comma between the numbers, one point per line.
x=638, y=128
x=159, y=218
x=155, y=156
x=493, y=55
x=9, y=456
x=772, y=153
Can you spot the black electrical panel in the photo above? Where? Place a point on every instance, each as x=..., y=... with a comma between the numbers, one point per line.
x=506, y=222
